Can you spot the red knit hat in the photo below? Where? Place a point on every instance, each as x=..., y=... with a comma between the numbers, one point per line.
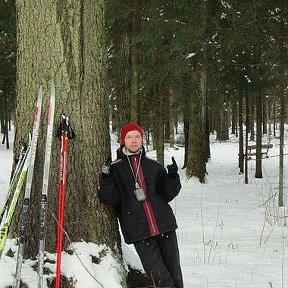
x=130, y=127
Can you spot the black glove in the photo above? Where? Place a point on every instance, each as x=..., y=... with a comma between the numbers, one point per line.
x=172, y=169
x=106, y=167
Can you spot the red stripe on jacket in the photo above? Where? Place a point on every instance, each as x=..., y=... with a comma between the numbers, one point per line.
x=149, y=213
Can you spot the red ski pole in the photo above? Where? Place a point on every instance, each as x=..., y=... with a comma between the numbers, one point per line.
x=64, y=128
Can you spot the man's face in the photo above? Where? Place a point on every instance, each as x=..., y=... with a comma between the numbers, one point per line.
x=133, y=141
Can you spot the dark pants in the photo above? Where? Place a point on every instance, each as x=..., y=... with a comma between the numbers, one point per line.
x=160, y=259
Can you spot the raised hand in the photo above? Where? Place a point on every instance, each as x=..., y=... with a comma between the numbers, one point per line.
x=173, y=169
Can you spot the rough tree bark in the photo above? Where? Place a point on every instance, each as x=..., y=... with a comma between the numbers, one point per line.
x=64, y=41
x=196, y=158
x=134, y=61
x=120, y=68
x=197, y=145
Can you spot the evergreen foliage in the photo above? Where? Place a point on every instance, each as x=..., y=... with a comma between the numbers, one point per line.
x=240, y=45
x=7, y=59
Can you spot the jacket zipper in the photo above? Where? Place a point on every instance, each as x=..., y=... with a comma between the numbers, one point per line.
x=150, y=217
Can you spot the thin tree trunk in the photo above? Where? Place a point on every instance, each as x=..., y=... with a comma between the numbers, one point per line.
x=259, y=113
x=246, y=132
x=274, y=117
x=234, y=118
x=171, y=118
x=186, y=114
x=160, y=130
x=281, y=150
x=264, y=115
x=252, y=117
x=207, y=134
x=240, y=119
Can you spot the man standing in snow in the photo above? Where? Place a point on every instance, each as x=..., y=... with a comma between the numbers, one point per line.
x=139, y=189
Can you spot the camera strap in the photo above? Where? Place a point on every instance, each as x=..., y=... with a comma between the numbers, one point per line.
x=135, y=174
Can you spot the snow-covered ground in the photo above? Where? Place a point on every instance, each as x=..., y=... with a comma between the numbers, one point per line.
x=230, y=234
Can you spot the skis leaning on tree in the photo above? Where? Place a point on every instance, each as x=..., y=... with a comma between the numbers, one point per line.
x=43, y=196
x=43, y=206
x=13, y=182
x=26, y=203
x=12, y=196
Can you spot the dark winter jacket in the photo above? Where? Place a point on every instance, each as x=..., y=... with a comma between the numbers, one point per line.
x=140, y=220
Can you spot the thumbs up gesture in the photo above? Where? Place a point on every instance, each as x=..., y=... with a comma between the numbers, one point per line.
x=173, y=169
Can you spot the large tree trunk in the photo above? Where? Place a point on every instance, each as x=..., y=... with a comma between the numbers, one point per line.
x=223, y=124
x=197, y=145
x=196, y=158
x=120, y=67
x=134, y=61
x=65, y=42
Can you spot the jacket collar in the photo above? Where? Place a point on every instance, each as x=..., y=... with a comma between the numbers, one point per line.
x=122, y=154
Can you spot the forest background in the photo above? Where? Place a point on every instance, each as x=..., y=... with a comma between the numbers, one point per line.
x=212, y=66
